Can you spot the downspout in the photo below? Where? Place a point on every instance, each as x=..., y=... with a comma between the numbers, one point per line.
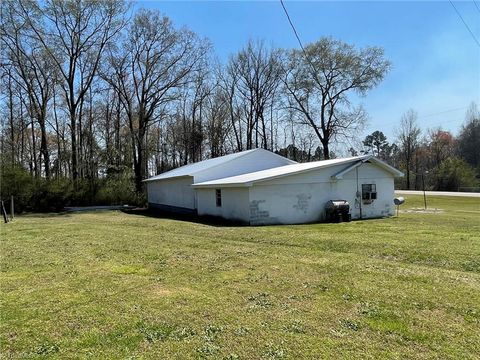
x=358, y=194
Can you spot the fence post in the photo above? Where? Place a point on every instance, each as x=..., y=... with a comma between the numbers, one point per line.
x=12, y=208
x=4, y=213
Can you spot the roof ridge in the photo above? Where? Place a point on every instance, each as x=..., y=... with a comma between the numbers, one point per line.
x=301, y=168
x=239, y=155
x=229, y=158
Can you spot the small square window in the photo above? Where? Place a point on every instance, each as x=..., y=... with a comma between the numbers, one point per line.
x=218, y=197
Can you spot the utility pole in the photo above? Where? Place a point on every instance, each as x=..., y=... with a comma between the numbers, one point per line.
x=4, y=213
x=423, y=184
x=12, y=208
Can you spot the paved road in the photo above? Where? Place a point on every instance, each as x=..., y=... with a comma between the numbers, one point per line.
x=438, y=193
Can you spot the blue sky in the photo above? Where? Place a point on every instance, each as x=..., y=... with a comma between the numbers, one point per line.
x=436, y=62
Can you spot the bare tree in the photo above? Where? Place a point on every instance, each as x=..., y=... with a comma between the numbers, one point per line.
x=8, y=138
x=469, y=137
x=408, y=138
x=320, y=80
x=33, y=68
x=441, y=145
x=75, y=34
x=227, y=82
x=156, y=60
x=258, y=74
x=218, y=124
x=191, y=110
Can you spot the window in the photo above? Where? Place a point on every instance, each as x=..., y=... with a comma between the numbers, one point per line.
x=369, y=192
x=218, y=197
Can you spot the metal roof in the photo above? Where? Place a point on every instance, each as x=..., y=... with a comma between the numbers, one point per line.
x=195, y=168
x=281, y=171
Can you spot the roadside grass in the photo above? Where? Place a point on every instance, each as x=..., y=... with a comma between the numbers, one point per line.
x=112, y=285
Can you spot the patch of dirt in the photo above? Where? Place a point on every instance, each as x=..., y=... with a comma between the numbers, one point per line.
x=422, y=211
x=160, y=290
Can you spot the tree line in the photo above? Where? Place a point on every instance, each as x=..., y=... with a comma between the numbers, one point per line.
x=96, y=97
x=437, y=158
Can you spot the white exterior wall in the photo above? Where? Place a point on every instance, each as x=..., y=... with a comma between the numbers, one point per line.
x=301, y=198
x=384, y=181
x=294, y=199
x=175, y=192
x=247, y=163
x=235, y=203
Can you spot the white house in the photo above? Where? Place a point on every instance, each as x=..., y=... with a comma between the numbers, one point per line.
x=258, y=187
x=173, y=191
x=298, y=193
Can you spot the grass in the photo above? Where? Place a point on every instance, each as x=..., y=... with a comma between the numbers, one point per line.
x=112, y=285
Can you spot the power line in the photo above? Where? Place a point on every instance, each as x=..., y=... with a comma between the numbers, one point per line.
x=476, y=5
x=299, y=41
x=430, y=122
x=293, y=27
x=443, y=112
x=466, y=25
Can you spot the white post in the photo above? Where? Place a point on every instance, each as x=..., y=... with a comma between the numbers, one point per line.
x=12, y=208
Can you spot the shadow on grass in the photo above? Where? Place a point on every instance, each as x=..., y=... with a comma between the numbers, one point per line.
x=209, y=220
x=204, y=220
x=222, y=222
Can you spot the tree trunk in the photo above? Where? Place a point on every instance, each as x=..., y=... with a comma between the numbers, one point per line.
x=34, y=166
x=12, y=136
x=73, y=130
x=408, y=177
x=138, y=171
x=23, y=128
x=138, y=160
x=117, y=137
x=80, y=162
x=57, y=130
x=44, y=148
x=326, y=150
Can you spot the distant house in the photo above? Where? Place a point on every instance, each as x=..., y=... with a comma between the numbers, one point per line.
x=288, y=193
x=173, y=191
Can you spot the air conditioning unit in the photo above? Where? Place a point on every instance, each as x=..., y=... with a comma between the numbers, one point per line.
x=369, y=195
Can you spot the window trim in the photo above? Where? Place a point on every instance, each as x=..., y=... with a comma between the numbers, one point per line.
x=367, y=190
x=218, y=197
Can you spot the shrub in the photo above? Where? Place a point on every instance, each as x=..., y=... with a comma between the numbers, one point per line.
x=16, y=181
x=454, y=173
x=39, y=194
x=117, y=190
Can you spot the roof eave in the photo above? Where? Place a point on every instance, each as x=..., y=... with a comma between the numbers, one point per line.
x=210, y=186
x=389, y=168
x=339, y=175
x=361, y=160
x=167, y=178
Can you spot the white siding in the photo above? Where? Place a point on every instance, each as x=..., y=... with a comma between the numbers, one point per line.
x=289, y=203
x=235, y=204
x=292, y=199
x=172, y=192
x=177, y=191
x=371, y=174
x=315, y=176
x=301, y=198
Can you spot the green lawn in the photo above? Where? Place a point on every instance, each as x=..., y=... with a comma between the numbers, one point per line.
x=113, y=285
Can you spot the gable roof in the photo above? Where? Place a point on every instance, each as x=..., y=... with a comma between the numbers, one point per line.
x=287, y=170
x=195, y=168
